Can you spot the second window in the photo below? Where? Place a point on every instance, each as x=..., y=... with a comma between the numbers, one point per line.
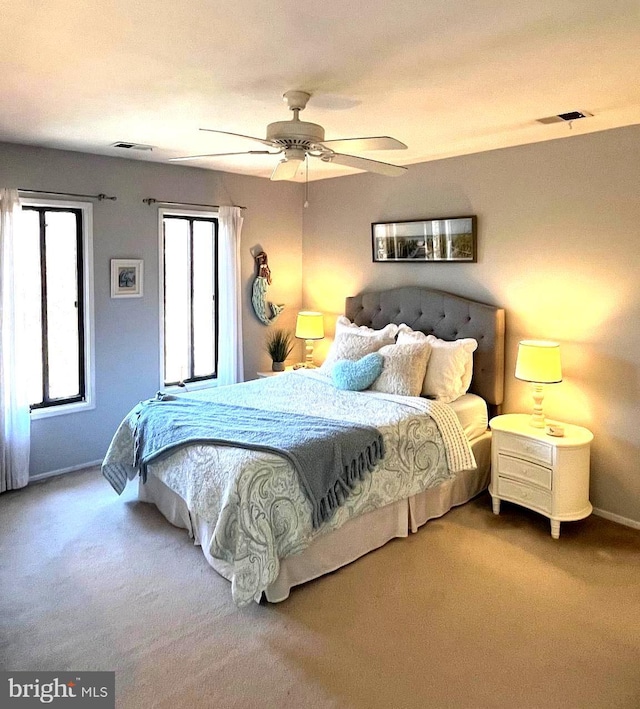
x=190, y=278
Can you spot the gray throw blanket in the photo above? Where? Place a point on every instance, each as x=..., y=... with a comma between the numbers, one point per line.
x=329, y=456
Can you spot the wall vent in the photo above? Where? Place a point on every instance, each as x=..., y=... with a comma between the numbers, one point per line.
x=123, y=145
x=565, y=117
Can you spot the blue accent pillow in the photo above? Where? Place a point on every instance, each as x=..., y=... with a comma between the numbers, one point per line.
x=358, y=375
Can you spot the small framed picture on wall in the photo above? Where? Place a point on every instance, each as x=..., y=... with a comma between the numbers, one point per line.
x=126, y=278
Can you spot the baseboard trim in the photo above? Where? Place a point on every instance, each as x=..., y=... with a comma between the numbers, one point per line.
x=616, y=518
x=62, y=471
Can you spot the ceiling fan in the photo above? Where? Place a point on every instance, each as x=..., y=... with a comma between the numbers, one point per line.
x=296, y=140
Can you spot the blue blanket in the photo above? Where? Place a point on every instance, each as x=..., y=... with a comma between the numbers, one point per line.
x=329, y=456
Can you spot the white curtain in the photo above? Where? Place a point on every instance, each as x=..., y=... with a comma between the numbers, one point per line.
x=14, y=404
x=230, y=361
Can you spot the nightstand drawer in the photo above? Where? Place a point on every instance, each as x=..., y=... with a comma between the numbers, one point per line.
x=521, y=447
x=523, y=470
x=524, y=494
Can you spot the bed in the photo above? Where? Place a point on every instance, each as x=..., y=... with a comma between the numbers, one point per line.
x=247, y=509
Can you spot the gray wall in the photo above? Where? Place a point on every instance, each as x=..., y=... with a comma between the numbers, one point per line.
x=127, y=330
x=559, y=249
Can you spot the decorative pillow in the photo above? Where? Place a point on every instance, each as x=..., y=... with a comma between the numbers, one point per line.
x=343, y=324
x=353, y=342
x=404, y=369
x=450, y=366
x=456, y=355
x=358, y=375
x=350, y=346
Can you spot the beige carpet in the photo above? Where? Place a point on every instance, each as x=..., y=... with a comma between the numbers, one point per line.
x=473, y=611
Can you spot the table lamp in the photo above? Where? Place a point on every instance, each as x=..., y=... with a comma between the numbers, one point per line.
x=309, y=327
x=538, y=362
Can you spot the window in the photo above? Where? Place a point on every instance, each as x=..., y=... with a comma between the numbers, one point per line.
x=56, y=243
x=189, y=283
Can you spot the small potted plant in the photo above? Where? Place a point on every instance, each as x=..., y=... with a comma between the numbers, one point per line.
x=279, y=346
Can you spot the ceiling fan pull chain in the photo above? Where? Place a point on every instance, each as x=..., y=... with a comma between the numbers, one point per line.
x=306, y=183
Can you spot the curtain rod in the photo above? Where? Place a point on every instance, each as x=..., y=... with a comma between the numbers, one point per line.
x=151, y=200
x=100, y=196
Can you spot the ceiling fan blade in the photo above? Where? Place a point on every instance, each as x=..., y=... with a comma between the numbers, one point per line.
x=220, y=155
x=382, y=168
x=382, y=142
x=286, y=169
x=239, y=135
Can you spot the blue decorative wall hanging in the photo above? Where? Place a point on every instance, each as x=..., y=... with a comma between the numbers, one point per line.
x=266, y=312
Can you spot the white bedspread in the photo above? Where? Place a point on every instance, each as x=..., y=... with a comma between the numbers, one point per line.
x=255, y=501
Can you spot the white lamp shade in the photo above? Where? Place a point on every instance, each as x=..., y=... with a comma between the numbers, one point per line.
x=310, y=325
x=539, y=362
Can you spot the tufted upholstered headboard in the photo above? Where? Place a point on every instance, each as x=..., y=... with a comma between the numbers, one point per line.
x=448, y=317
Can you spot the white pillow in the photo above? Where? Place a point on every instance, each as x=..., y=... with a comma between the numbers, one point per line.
x=343, y=324
x=353, y=342
x=404, y=369
x=450, y=366
x=449, y=376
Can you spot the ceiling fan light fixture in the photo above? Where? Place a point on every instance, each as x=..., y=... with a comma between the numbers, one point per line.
x=287, y=168
x=291, y=154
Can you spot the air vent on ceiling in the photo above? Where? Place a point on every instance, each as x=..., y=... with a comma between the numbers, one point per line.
x=131, y=146
x=565, y=117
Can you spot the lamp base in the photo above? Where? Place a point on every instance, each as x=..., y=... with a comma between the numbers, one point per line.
x=537, y=422
x=537, y=419
x=308, y=357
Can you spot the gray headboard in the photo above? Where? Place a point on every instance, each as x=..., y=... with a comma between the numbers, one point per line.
x=448, y=317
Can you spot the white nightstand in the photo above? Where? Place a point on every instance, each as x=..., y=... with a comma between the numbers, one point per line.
x=545, y=473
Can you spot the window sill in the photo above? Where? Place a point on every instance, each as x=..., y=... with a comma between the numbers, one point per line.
x=50, y=411
x=191, y=386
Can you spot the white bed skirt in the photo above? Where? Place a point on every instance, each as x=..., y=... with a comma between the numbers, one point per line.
x=346, y=544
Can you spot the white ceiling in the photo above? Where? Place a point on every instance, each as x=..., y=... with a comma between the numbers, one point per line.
x=445, y=77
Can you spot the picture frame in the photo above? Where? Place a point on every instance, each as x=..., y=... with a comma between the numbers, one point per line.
x=443, y=240
x=126, y=278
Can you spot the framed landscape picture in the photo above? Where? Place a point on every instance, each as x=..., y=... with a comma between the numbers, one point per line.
x=448, y=240
x=126, y=278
